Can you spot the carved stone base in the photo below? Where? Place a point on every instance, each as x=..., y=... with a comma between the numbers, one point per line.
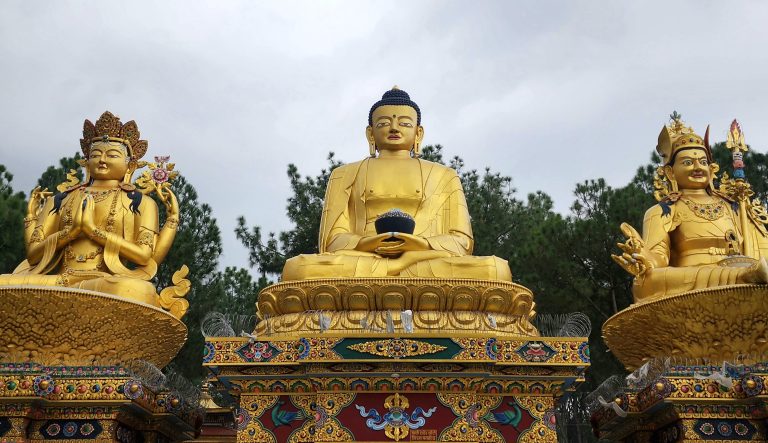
x=350, y=323
x=396, y=294
x=64, y=326
x=716, y=324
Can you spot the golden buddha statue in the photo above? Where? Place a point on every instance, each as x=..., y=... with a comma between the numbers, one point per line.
x=395, y=180
x=103, y=234
x=696, y=237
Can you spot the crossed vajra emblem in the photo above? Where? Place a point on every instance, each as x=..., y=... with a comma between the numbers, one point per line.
x=397, y=421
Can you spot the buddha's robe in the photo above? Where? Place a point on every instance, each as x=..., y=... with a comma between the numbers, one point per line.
x=83, y=263
x=686, y=250
x=355, y=197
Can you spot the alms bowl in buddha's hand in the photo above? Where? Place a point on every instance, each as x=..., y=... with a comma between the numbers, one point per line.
x=395, y=220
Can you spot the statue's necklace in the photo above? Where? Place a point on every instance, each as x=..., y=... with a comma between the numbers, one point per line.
x=109, y=226
x=99, y=196
x=707, y=211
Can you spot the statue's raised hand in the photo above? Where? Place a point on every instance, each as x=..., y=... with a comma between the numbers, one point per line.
x=171, y=204
x=634, y=257
x=36, y=200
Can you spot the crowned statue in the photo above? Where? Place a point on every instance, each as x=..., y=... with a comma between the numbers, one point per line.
x=102, y=234
x=697, y=236
x=394, y=214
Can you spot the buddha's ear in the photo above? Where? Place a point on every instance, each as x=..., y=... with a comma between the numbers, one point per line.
x=419, y=134
x=371, y=141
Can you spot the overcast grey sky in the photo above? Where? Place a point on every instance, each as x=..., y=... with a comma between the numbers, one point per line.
x=551, y=93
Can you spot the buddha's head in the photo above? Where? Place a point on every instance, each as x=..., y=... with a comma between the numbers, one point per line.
x=107, y=160
x=394, y=123
x=687, y=156
x=111, y=149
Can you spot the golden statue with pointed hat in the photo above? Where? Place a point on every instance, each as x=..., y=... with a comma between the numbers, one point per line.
x=699, y=266
x=394, y=178
x=697, y=236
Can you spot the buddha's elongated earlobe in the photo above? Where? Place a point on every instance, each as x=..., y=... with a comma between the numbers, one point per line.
x=671, y=176
x=372, y=149
x=416, y=150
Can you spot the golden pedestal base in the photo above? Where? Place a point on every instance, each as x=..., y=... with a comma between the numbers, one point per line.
x=64, y=326
x=717, y=324
x=60, y=374
x=353, y=306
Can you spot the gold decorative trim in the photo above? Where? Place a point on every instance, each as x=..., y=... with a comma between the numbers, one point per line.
x=396, y=347
x=715, y=323
x=354, y=323
x=396, y=294
x=65, y=326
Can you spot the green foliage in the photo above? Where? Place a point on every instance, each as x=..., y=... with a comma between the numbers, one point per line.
x=55, y=175
x=198, y=245
x=305, y=207
x=13, y=209
x=755, y=168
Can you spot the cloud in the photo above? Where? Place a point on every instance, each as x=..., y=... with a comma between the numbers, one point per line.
x=550, y=93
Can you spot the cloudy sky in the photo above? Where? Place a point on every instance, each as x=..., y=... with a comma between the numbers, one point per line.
x=551, y=93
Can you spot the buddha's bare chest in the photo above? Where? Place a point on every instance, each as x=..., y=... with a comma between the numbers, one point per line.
x=387, y=178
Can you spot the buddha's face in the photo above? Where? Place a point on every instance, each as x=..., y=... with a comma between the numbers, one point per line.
x=692, y=169
x=107, y=161
x=394, y=127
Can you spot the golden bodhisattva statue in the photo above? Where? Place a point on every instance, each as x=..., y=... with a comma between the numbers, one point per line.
x=697, y=236
x=102, y=234
x=395, y=182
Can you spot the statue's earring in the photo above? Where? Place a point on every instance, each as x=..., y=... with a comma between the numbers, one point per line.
x=372, y=149
x=714, y=168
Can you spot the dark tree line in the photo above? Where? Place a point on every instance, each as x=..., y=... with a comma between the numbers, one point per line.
x=563, y=258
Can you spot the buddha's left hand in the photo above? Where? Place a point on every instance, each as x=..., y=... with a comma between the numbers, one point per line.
x=407, y=242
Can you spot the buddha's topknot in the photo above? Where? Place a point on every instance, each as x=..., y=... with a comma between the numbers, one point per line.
x=397, y=97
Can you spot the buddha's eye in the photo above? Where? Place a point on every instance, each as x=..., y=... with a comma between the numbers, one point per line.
x=382, y=124
x=406, y=124
x=703, y=162
x=687, y=162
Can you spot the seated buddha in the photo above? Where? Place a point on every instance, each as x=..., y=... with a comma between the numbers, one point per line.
x=395, y=179
x=696, y=237
x=102, y=234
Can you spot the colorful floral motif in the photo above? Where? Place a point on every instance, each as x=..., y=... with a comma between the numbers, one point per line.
x=70, y=429
x=492, y=349
x=208, y=352
x=43, y=385
x=257, y=351
x=535, y=351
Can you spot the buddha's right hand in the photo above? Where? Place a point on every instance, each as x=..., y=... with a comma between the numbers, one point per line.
x=373, y=242
x=36, y=200
x=634, y=258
